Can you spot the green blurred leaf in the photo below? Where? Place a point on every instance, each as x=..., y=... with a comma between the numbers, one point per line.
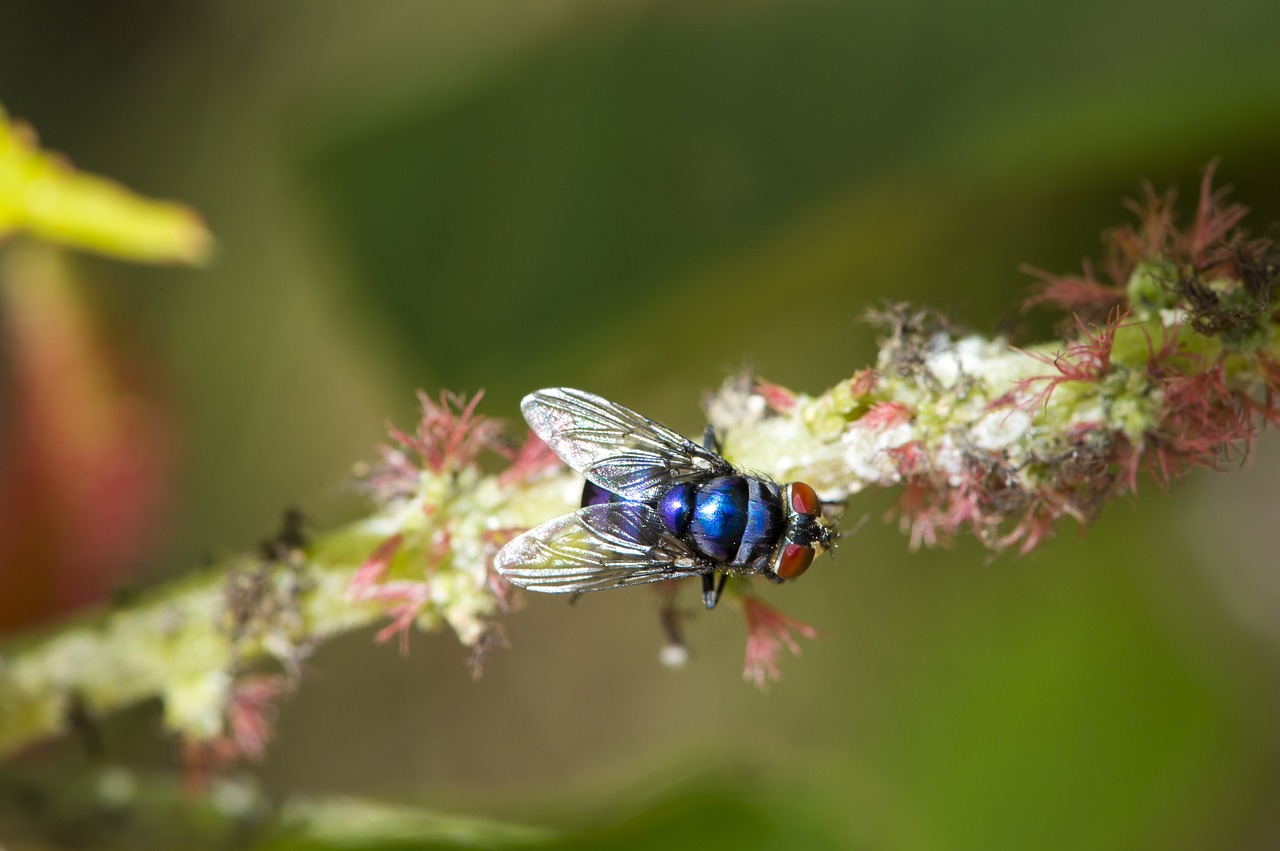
x=352, y=823
x=41, y=193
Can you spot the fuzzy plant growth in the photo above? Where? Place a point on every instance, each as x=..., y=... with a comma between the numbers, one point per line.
x=1171, y=361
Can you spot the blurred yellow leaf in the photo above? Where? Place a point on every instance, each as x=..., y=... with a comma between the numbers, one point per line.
x=42, y=194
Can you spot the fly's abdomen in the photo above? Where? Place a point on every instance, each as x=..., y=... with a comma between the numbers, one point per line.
x=676, y=508
x=593, y=494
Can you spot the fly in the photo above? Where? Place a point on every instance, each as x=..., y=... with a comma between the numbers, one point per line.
x=656, y=506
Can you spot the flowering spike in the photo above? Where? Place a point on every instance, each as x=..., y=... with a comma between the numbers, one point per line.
x=441, y=518
x=1181, y=373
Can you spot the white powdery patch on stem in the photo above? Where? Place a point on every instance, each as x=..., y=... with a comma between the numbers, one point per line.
x=1001, y=429
x=867, y=457
x=961, y=397
x=949, y=405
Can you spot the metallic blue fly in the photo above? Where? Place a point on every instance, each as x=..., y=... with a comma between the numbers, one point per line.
x=656, y=506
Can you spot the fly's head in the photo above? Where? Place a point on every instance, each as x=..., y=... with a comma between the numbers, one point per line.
x=808, y=532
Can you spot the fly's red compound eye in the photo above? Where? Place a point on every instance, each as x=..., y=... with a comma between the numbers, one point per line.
x=795, y=560
x=804, y=500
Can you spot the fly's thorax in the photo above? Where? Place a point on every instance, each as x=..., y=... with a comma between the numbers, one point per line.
x=766, y=522
x=719, y=517
x=731, y=520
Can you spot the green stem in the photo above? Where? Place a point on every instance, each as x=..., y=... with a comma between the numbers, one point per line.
x=929, y=416
x=184, y=641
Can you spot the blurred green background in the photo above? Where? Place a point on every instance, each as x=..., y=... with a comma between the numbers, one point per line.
x=638, y=198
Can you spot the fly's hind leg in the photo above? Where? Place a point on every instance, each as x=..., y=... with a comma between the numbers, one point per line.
x=711, y=589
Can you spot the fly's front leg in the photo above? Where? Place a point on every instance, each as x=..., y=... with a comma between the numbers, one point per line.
x=710, y=442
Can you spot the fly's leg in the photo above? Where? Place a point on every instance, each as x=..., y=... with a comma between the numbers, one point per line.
x=711, y=590
x=675, y=653
x=710, y=442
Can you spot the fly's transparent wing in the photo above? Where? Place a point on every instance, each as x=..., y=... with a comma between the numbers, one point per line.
x=610, y=545
x=613, y=446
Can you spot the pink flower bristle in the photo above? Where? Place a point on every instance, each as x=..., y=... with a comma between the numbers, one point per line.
x=450, y=434
x=768, y=632
x=1213, y=221
x=249, y=720
x=776, y=397
x=864, y=382
x=402, y=600
x=374, y=568
x=251, y=712
x=1076, y=293
x=886, y=415
x=1087, y=360
x=533, y=458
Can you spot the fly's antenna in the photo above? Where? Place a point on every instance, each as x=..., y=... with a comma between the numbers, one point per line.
x=836, y=534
